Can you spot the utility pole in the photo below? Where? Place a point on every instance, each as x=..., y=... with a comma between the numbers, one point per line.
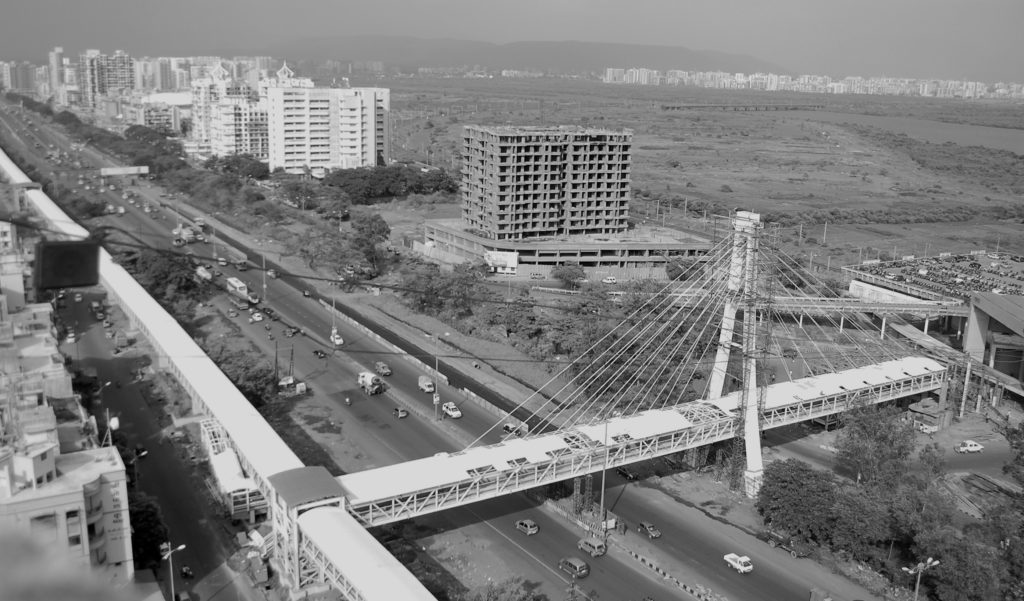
x=800, y=235
x=824, y=234
x=264, y=257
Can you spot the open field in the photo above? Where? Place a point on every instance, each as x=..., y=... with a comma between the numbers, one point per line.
x=791, y=166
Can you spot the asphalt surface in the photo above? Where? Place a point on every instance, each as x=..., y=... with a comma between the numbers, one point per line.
x=690, y=537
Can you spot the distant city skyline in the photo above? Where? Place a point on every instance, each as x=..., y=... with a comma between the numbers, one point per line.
x=949, y=39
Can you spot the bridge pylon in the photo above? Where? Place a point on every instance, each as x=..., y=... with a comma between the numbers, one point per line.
x=742, y=285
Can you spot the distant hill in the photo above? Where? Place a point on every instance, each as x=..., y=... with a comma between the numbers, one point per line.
x=553, y=56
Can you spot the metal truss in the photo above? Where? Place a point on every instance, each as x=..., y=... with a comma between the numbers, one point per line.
x=316, y=567
x=837, y=403
x=587, y=456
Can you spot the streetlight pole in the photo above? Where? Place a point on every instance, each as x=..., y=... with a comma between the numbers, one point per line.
x=436, y=402
x=604, y=472
x=169, y=556
x=919, y=569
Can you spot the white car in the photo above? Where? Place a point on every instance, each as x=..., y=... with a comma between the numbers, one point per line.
x=255, y=317
x=528, y=527
x=969, y=446
x=451, y=410
x=336, y=338
x=609, y=280
x=71, y=337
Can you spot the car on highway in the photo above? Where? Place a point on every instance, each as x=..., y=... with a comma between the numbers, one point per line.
x=222, y=261
x=400, y=413
x=511, y=429
x=969, y=446
x=527, y=527
x=72, y=337
x=78, y=297
x=609, y=280
x=451, y=410
x=382, y=369
x=319, y=354
x=269, y=313
x=140, y=451
x=256, y=317
x=740, y=563
x=107, y=323
x=649, y=529
x=336, y=338
x=574, y=566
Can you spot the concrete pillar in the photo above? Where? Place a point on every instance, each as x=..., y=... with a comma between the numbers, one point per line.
x=842, y=322
x=882, y=333
x=716, y=385
x=801, y=320
x=967, y=381
x=992, y=356
x=926, y=324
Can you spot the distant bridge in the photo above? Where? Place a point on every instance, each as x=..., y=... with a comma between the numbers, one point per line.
x=743, y=107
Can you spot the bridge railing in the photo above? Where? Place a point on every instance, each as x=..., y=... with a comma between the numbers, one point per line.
x=490, y=482
x=837, y=403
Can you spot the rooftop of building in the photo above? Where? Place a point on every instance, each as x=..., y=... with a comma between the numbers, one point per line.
x=558, y=130
x=74, y=471
x=641, y=235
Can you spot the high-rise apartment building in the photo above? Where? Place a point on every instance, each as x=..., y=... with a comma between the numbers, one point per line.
x=56, y=70
x=207, y=92
x=327, y=128
x=239, y=126
x=100, y=74
x=522, y=183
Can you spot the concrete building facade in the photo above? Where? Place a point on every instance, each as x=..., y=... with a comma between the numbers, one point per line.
x=320, y=129
x=535, y=183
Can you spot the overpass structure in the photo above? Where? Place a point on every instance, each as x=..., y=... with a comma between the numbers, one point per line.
x=639, y=400
x=407, y=490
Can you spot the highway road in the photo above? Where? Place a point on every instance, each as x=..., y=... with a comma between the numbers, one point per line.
x=690, y=537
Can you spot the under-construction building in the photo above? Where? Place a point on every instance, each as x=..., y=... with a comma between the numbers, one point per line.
x=527, y=183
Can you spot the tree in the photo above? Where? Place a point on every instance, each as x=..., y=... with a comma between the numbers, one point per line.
x=797, y=498
x=369, y=231
x=968, y=570
x=300, y=192
x=569, y=274
x=875, y=444
x=148, y=529
x=861, y=521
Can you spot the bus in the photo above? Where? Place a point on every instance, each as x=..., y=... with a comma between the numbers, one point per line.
x=237, y=288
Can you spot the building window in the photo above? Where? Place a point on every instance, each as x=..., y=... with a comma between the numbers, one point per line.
x=74, y=540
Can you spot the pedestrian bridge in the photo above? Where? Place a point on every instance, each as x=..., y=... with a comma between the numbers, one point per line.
x=447, y=480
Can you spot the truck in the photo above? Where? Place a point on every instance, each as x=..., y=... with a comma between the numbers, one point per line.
x=740, y=563
x=237, y=288
x=370, y=382
x=184, y=233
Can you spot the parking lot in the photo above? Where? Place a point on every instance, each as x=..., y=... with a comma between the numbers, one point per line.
x=956, y=276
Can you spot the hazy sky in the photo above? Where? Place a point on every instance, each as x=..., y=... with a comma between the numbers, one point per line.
x=976, y=39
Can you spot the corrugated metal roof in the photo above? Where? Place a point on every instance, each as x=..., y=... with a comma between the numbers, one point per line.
x=305, y=485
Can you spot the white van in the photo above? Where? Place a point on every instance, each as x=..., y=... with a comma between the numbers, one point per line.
x=425, y=384
x=594, y=546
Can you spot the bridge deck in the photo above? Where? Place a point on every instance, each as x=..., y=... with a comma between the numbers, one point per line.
x=448, y=480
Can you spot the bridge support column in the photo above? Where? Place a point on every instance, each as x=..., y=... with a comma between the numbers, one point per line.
x=842, y=323
x=926, y=324
x=716, y=385
x=881, y=333
x=752, y=429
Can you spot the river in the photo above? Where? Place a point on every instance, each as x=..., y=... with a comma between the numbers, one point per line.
x=930, y=131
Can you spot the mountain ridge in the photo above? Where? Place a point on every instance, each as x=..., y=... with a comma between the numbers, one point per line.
x=556, y=56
